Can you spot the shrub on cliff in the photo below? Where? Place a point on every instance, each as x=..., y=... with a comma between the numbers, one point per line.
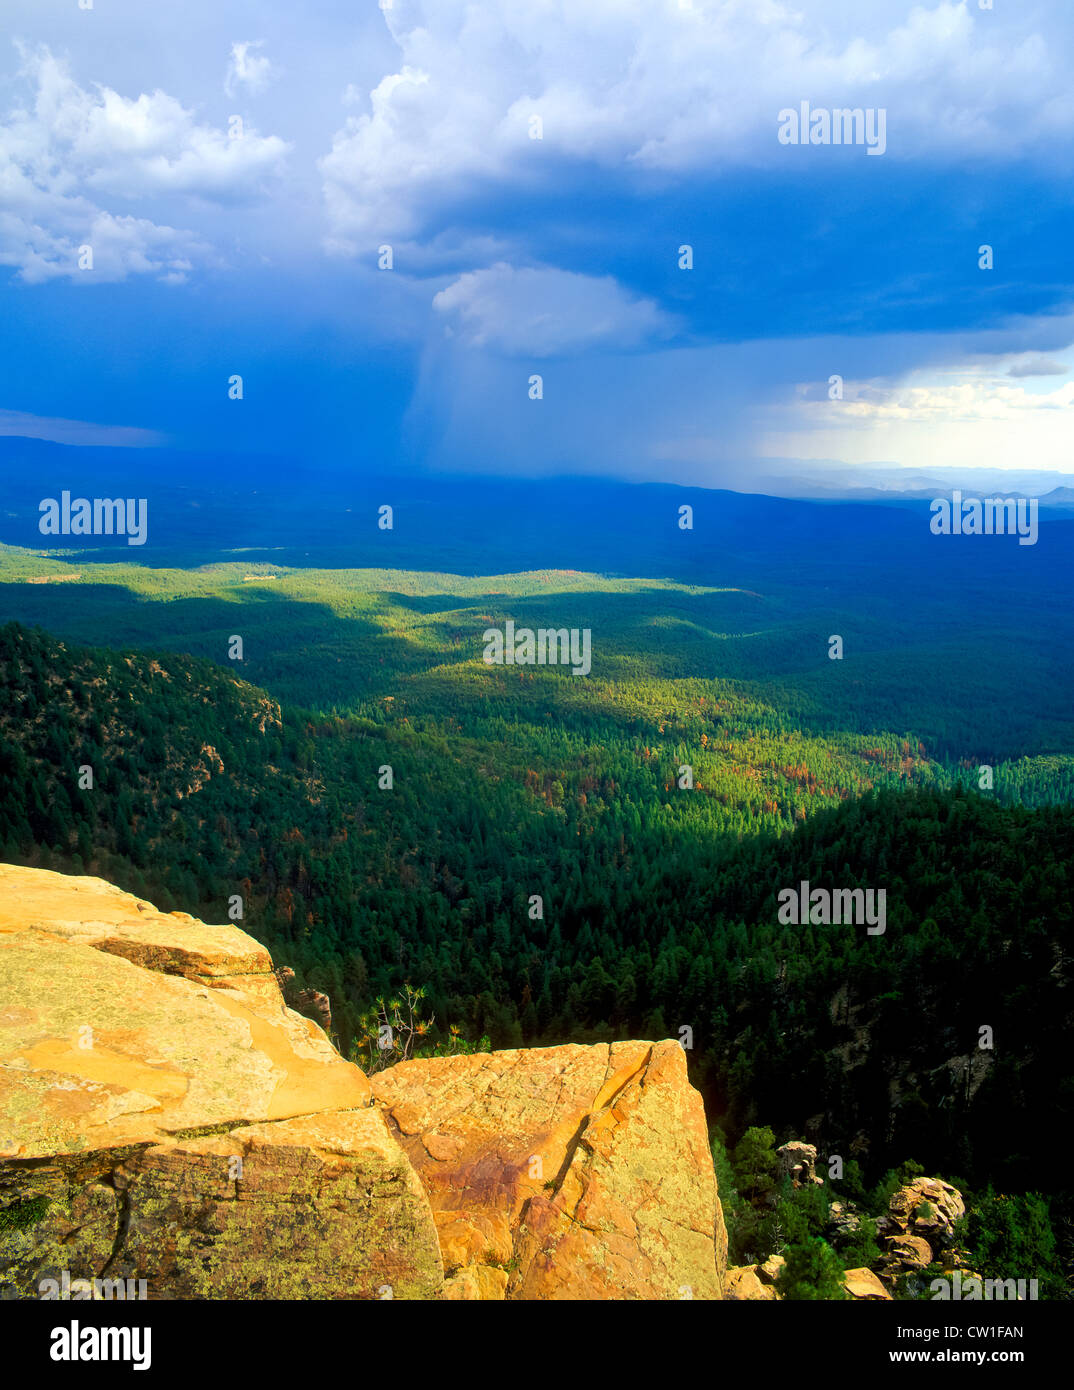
x=1011, y=1237
x=813, y=1273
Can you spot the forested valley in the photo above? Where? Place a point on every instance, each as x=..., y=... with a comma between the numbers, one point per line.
x=537, y=864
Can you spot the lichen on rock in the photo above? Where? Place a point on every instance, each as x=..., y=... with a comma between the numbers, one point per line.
x=166, y=1117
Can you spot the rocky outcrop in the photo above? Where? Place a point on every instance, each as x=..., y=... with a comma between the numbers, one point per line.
x=166, y=1117
x=926, y=1207
x=798, y=1162
x=760, y=1283
x=844, y=1220
x=172, y=1121
x=577, y=1172
x=919, y=1228
x=123, y=1025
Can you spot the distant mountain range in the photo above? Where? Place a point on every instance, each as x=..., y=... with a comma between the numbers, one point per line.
x=203, y=508
x=836, y=482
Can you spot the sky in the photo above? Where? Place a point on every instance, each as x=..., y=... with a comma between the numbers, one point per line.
x=242, y=172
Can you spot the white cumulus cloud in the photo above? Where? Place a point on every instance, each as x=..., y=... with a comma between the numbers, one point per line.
x=657, y=87
x=544, y=312
x=69, y=148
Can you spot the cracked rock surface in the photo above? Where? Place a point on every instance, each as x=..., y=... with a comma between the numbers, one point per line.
x=164, y=1116
x=180, y=1124
x=574, y=1172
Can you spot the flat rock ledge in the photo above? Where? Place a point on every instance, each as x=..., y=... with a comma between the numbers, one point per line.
x=164, y=1117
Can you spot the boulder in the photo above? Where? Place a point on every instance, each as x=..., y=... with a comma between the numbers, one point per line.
x=585, y=1171
x=772, y=1268
x=742, y=1284
x=863, y=1284
x=798, y=1160
x=911, y=1252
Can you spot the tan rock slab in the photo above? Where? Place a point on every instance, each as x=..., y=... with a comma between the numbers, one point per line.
x=96, y=913
x=184, y=1127
x=742, y=1285
x=863, y=1283
x=585, y=1170
x=98, y=1049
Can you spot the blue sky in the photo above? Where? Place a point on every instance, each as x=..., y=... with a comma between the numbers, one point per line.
x=256, y=253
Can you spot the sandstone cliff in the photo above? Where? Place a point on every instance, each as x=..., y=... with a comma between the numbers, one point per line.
x=164, y=1116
